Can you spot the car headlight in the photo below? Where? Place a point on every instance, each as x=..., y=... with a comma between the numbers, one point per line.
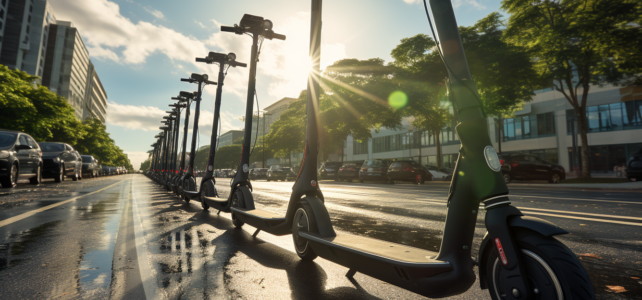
x=57, y=160
x=4, y=154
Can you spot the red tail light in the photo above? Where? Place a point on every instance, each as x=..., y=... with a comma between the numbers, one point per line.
x=501, y=162
x=364, y=169
x=341, y=169
x=407, y=169
x=514, y=164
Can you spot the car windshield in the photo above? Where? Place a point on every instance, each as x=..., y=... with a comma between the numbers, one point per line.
x=349, y=165
x=86, y=159
x=7, y=139
x=373, y=163
x=332, y=165
x=52, y=147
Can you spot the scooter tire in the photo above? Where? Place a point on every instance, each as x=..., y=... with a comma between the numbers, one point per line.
x=237, y=201
x=552, y=268
x=303, y=220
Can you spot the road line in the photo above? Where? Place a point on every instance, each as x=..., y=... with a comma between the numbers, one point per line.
x=35, y=211
x=576, y=199
x=587, y=219
x=147, y=274
x=581, y=213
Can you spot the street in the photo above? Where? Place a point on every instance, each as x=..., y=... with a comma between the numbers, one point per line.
x=126, y=237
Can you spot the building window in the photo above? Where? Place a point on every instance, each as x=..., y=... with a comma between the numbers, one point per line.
x=359, y=147
x=610, y=117
x=546, y=124
x=528, y=127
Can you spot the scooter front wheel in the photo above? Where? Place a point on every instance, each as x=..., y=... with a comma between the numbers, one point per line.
x=237, y=201
x=303, y=221
x=552, y=269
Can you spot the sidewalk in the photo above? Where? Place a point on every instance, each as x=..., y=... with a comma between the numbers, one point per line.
x=624, y=186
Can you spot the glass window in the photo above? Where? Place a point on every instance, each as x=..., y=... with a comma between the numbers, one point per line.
x=605, y=120
x=23, y=140
x=593, y=118
x=7, y=139
x=526, y=127
x=615, y=111
x=546, y=124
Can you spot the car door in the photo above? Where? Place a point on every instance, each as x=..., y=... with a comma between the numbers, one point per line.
x=539, y=168
x=24, y=156
x=70, y=159
x=519, y=166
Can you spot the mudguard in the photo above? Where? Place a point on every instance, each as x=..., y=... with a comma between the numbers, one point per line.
x=538, y=225
x=324, y=225
x=248, y=200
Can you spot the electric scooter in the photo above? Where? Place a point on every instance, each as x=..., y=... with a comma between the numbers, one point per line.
x=176, y=120
x=175, y=175
x=171, y=120
x=185, y=102
x=189, y=180
x=260, y=29
x=207, y=193
x=519, y=257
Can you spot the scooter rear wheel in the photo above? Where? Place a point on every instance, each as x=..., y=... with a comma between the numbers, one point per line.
x=237, y=201
x=552, y=269
x=303, y=221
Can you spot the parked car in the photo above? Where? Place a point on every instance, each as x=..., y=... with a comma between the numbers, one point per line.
x=89, y=166
x=106, y=170
x=293, y=174
x=634, y=167
x=113, y=170
x=348, y=172
x=258, y=173
x=444, y=174
x=277, y=172
x=20, y=158
x=60, y=160
x=329, y=170
x=408, y=170
x=375, y=170
x=529, y=167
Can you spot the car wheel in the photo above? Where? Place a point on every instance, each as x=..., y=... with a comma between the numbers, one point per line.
x=555, y=178
x=507, y=178
x=10, y=181
x=38, y=178
x=61, y=174
x=75, y=177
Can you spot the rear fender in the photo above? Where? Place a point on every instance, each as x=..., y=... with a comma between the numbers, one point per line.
x=540, y=226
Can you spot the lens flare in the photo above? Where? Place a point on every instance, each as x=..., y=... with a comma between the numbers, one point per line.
x=398, y=99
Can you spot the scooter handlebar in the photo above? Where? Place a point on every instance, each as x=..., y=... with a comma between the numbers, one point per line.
x=228, y=28
x=278, y=36
x=210, y=82
x=238, y=64
x=199, y=59
x=186, y=79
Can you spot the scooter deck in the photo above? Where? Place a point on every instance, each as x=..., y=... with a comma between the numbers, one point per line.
x=215, y=199
x=393, y=252
x=191, y=194
x=261, y=219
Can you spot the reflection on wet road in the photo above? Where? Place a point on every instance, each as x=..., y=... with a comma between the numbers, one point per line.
x=127, y=237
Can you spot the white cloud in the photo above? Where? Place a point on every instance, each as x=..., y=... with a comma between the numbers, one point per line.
x=456, y=3
x=146, y=118
x=155, y=12
x=136, y=158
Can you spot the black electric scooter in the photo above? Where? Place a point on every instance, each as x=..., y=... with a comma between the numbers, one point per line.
x=187, y=98
x=176, y=121
x=163, y=154
x=207, y=194
x=188, y=179
x=176, y=174
x=259, y=29
x=171, y=123
x=518, y=259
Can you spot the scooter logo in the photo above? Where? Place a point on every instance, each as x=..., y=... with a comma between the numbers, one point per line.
x=209, y=168
x=245, y=168
x=500, y=249
x=313, y=183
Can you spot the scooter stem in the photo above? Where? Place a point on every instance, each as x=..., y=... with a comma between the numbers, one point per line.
x=241, y=175
x=217, y=110
x=185, y=132
x=192, y=154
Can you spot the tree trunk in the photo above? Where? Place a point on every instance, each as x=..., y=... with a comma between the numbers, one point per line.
x=440, y=163
x=290, y=160
x=582, y=124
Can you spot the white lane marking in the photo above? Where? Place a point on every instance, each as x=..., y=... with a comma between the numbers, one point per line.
x=575, y=199
x=587, y=219
x=581, y=213
x=35, y=211
x=147, y=273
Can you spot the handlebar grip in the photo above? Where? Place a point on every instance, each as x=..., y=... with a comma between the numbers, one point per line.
x=278, y=36
x=210, y=82
x=239, y=64
x=199, y=59
x=186, y=79
x=228, y=28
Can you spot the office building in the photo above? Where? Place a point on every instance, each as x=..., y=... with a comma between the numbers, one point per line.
x=229, y=137
x=33, y=41
x=543, y=127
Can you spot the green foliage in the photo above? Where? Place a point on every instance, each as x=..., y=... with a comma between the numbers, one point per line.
x=145, y=165
x=48, y=117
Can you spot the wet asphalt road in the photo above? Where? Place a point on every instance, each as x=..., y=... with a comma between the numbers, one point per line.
x=126, y=237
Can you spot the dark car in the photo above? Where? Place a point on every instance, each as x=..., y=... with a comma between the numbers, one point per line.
x=277, y=172
x=106, y=170
x=408, y=170
x=329, y=170
x=294, y=172
x=60, y=160
x=20, y=158
x=375, y=170
x=258, y=173
x=348, y=172
x=634, y=167
x=529, y=167
x=89, y=166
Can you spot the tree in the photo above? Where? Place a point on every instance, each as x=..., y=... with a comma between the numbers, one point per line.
x=287, y=134
x=577, y=43
x=145, y=165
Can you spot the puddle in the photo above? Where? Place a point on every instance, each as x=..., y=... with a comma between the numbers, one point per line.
x=18, y=243
x=96, y=266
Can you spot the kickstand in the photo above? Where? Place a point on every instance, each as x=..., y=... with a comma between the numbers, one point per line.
x=256, y=232
x=218, y=213
x=351, y=273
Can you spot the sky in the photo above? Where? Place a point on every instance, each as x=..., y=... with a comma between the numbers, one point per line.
x=141, y=49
